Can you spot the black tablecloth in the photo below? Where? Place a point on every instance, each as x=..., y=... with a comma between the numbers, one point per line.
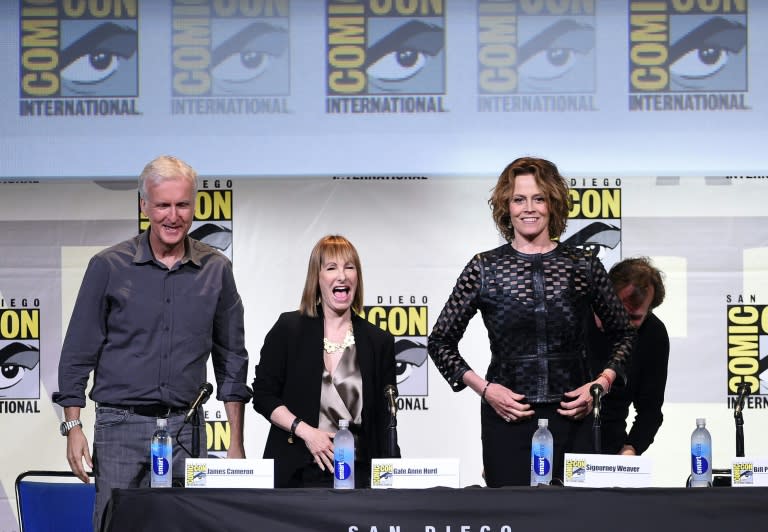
x=440, y=510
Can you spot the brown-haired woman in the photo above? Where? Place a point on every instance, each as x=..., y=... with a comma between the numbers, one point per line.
x=321, y=364
x=535, y=296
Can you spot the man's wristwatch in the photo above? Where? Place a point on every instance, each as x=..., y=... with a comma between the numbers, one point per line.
x=66, y=426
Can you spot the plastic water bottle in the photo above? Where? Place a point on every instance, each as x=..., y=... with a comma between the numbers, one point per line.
x=541, y=454
x=701, y=455
x=161, y=456
x=344, y=457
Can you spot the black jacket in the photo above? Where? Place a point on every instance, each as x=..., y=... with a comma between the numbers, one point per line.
x=290, y=373
x=646, y=382
x=535, y=309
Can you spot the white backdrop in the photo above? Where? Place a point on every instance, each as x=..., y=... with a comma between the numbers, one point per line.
x=67, y=172
x=708, y=234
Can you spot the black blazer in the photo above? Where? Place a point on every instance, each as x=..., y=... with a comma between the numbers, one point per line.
x=290, y=373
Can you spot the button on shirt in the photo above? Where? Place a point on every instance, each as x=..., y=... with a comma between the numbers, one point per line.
x=146, y=331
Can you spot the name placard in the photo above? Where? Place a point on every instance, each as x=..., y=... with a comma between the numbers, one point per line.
x=414, y=473
x=607, y=471
x=228, y=473
x=749, y=472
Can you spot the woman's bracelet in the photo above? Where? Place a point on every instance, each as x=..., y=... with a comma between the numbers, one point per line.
x=607, y=378
x=294, y=426
x=482, y=395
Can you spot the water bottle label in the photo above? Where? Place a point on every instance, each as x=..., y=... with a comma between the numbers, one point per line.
x=342, y=471
x=541, y=466
x=699, y=464
x=160, y=465
x=343, y=458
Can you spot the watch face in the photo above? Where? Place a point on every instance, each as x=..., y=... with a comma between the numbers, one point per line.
x=63, y=428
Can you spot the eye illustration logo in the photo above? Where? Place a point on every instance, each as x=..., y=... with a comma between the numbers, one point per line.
x=710, y=55
x=99, y=59
x=230, y=50
x=410, y=367
x=597, y=237
x=541, y=51
x=77, y=51
x=405, y=58
x=689, y=48
x=215, y=235
x=19, y=371
x=249, y=58
x=556, y=58
x=594, y=222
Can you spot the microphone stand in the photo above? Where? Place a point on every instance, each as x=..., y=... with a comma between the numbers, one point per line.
x=194, y=452
x=739, y=434
x=392, y=435
x=195, y=435
x=596, y=436
x=596, y=428
x=739, y=419
x=193, y=415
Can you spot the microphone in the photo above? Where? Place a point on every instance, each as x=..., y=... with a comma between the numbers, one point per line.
x=597, y=391
x=743, y=392
x=205, y=392
x=390, y=393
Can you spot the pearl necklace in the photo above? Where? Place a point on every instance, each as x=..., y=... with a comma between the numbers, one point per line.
x=334, y=347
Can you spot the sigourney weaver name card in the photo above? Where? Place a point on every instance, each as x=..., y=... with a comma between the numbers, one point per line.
x=607, y=471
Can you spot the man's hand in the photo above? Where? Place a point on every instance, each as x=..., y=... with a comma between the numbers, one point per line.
x=628, y=450
x=78, y=452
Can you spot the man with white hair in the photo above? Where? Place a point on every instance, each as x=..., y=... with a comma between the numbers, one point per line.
x=149, y=313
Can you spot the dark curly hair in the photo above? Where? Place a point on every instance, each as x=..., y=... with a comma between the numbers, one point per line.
x=552, y=185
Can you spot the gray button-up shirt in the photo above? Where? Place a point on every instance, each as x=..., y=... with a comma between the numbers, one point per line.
x=146, y=331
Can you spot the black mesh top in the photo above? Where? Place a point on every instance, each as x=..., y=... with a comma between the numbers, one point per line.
x=534, y=308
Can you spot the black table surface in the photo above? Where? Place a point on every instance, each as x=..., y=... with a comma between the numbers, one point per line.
x=472, y=509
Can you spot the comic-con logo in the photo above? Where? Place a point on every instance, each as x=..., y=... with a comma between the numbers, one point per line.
x=575, y=470
x=742, y=473
x=195, y=475
x=385, y=56
x=536, y=47
x=19, y=355
x=230, y=57
x=408, y=324
x=747, y=330
x=212, y=222
x=382, y=475
x=691, y=54
x=594, y=219
x=78, y=57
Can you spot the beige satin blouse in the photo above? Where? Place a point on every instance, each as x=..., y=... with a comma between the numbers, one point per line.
x=341, y=394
